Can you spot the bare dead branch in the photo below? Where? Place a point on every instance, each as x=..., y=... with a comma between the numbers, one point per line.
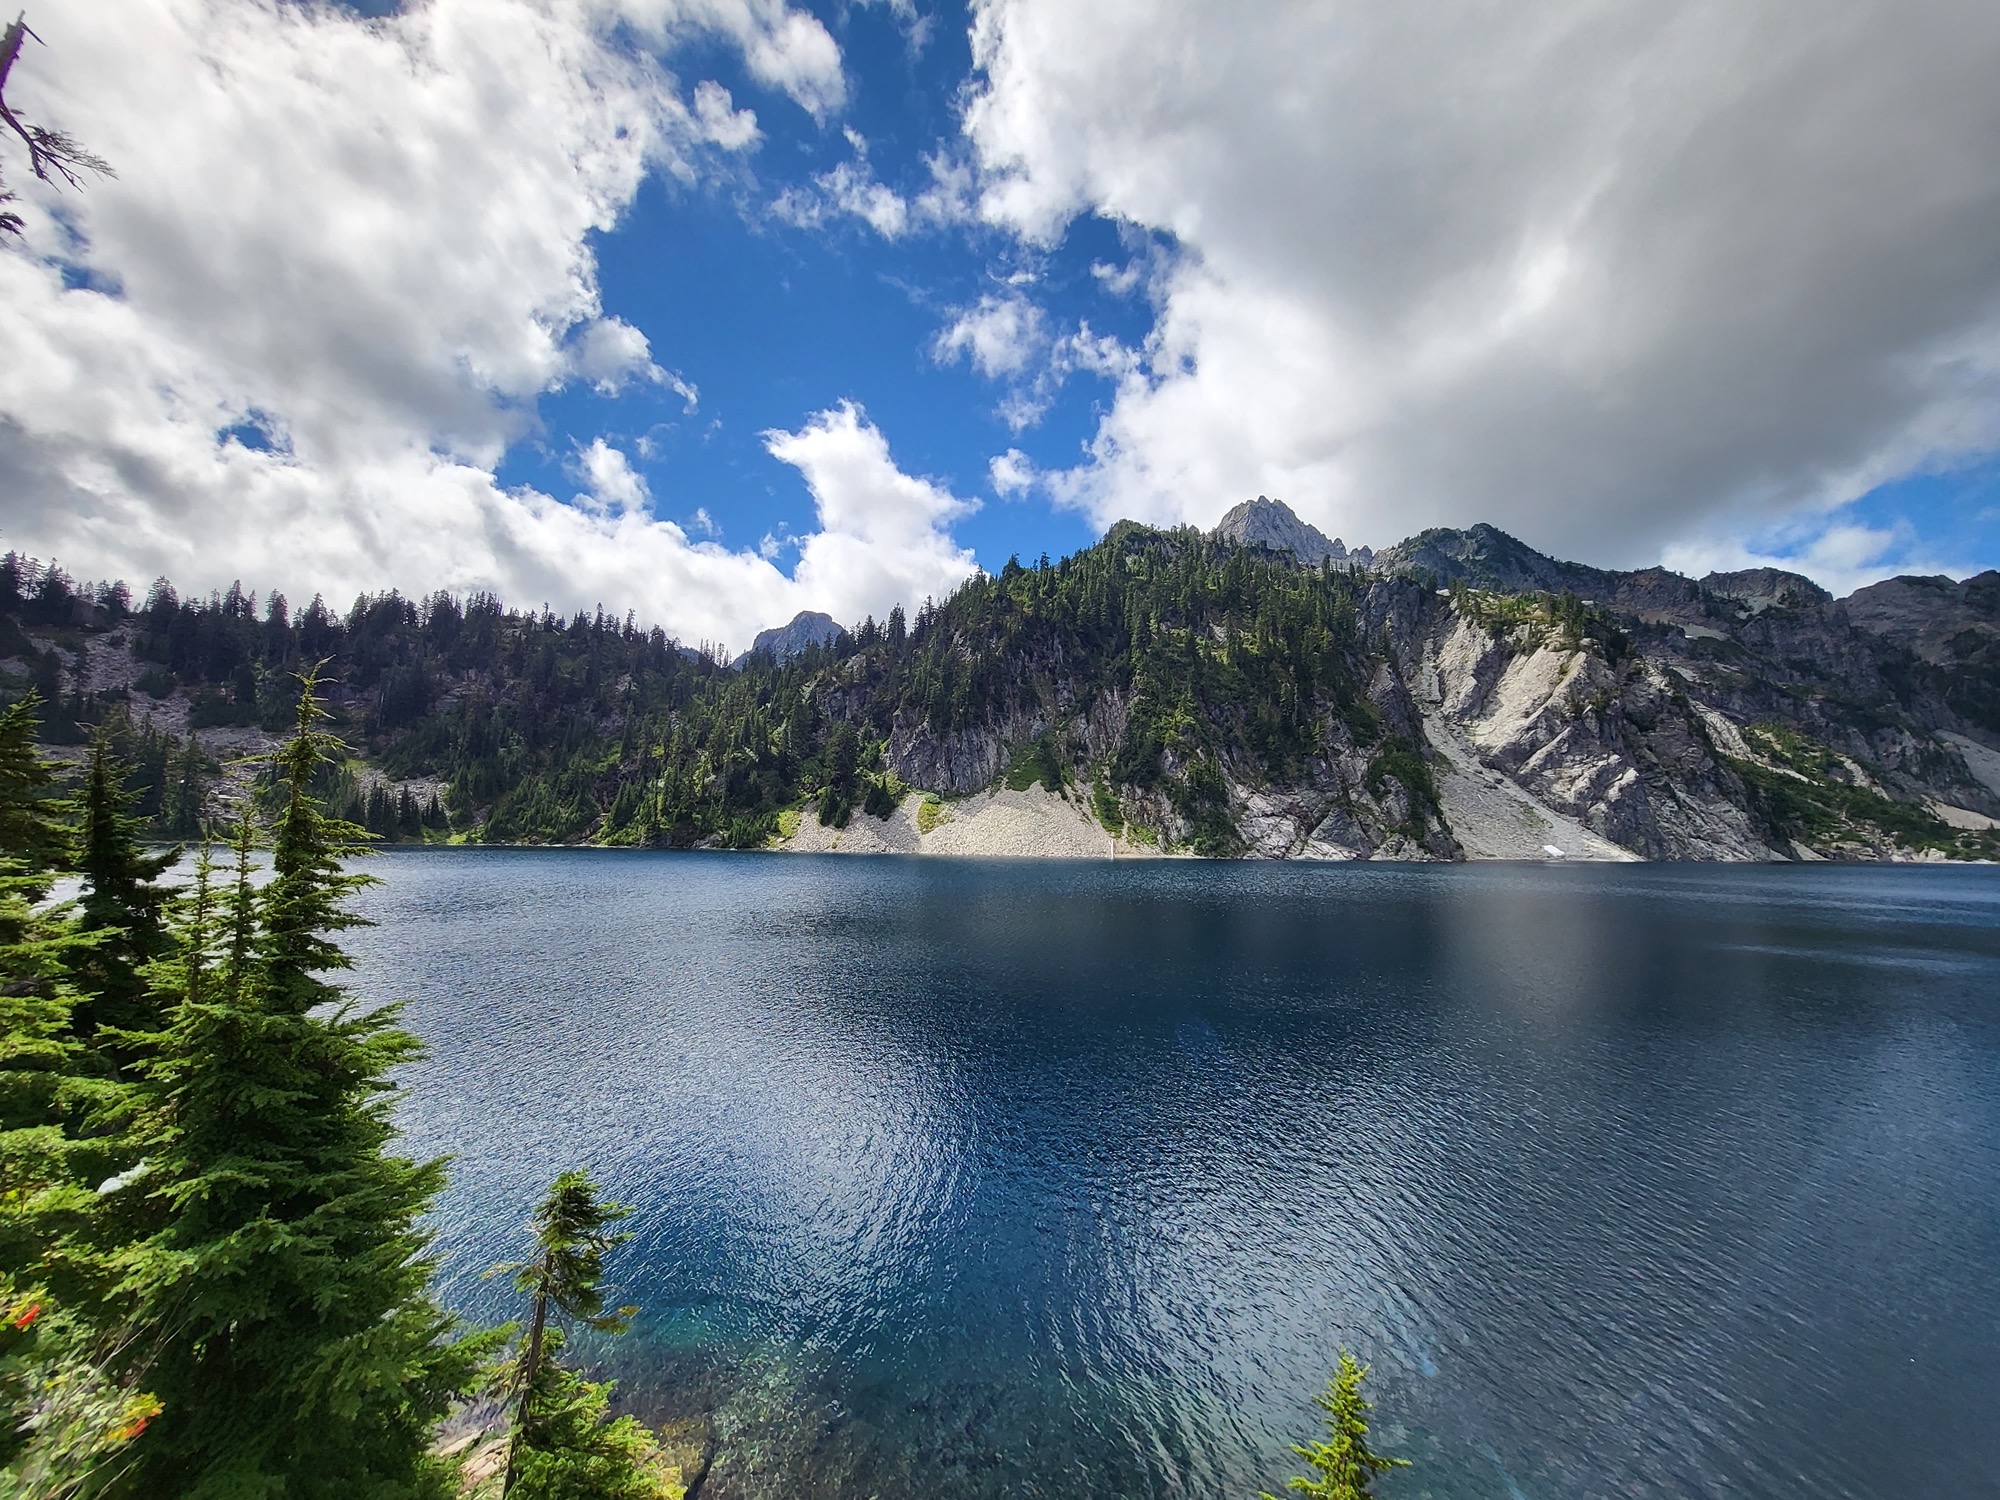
x=52, y=154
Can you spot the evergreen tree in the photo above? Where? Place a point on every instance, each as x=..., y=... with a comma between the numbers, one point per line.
x=293, y=1341
x=184, y=799
x=34, y=837
x=573, y=1234
x=61, y=1412
x=574, y=1449
x=1344, y=1466
x=123, y=899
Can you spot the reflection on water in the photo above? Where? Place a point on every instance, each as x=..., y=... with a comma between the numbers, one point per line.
x=983, y=1178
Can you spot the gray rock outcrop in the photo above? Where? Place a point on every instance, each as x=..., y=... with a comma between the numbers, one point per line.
x=808, y=628
x=1272, y=523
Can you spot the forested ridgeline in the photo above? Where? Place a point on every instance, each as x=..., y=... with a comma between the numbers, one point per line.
x=472, y=720
x=1192, y=692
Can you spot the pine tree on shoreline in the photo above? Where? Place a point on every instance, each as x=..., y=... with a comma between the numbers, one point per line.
x=564, y=1445
x=63, y=1408
x=291, y=1333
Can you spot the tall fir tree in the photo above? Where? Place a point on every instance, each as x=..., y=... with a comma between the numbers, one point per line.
x=122, y=896
x=292, y=1337
x=62, y=1413
x=564, y=1446
x=43, y=1095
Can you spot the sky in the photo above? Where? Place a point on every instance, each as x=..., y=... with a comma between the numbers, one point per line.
x=717, y=310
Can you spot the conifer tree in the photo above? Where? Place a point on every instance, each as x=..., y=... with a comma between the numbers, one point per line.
x=1344, y=1466
x=39, y=1056
x=573, y=1234
x=61, y=1411
x=293, y=1342
x=122, y=897
x=575, y=1450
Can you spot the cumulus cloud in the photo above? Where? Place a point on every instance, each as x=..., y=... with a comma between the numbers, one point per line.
x=368, y=242
x=850, y=188
x=1606, y=276
x=1000, y=335
x=883, y=533
x=608, y=352
x=1011, y=473
x=721, y=121
x=1007, y=337
x=615, y=487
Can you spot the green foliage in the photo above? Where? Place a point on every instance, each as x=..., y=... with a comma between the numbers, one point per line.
x=1401, y=761
x=62, y=1412
x=1343, y=1466
x=549, y=730
x=1803, y=791
x=1038, y=764
x=567, y=1443
x=33, y=835
x=1563, y=620
x=67, y=1416
x=932, y=813
x=883, y=797
x=121, y=898
x=572, y=1449
x=573, y=1234
x=1104, y=802
x=290, y=1333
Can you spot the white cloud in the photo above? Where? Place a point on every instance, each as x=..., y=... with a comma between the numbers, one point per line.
x=370, y=239
x=883, y=534
x=851, y=188
x=1600, y=274
x=722, y=122
x=784, y=48
x=609, y=351
x=1011, y=473
x=1007, y=337
x=616, y=488
x=1839, y=554
x=1000, y=335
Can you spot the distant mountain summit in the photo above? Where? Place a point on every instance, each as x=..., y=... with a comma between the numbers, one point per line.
x=808, y=628
x=1273, y=524
x=1486, y=557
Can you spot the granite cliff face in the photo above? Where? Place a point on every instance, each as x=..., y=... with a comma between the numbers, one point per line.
x=1553, y=709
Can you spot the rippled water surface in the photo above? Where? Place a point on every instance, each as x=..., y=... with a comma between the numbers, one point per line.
x=966, y=1179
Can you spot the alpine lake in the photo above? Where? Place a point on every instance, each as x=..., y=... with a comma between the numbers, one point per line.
x=981, y=1178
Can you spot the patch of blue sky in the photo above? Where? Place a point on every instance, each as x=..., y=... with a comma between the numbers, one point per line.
x=1948, y=516
x=772, y=319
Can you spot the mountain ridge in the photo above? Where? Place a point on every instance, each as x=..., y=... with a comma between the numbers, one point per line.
x=1464, y=696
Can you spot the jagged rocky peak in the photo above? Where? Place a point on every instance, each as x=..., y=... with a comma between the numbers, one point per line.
x=808, y=628
x=1272, y=523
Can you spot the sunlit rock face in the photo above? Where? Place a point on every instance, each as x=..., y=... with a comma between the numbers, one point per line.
x=808, y=628
x=1271, y=523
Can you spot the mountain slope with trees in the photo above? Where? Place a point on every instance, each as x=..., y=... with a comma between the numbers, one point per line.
x=1194, y=692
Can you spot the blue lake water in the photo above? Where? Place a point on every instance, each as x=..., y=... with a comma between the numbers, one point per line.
x=985, y=1178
